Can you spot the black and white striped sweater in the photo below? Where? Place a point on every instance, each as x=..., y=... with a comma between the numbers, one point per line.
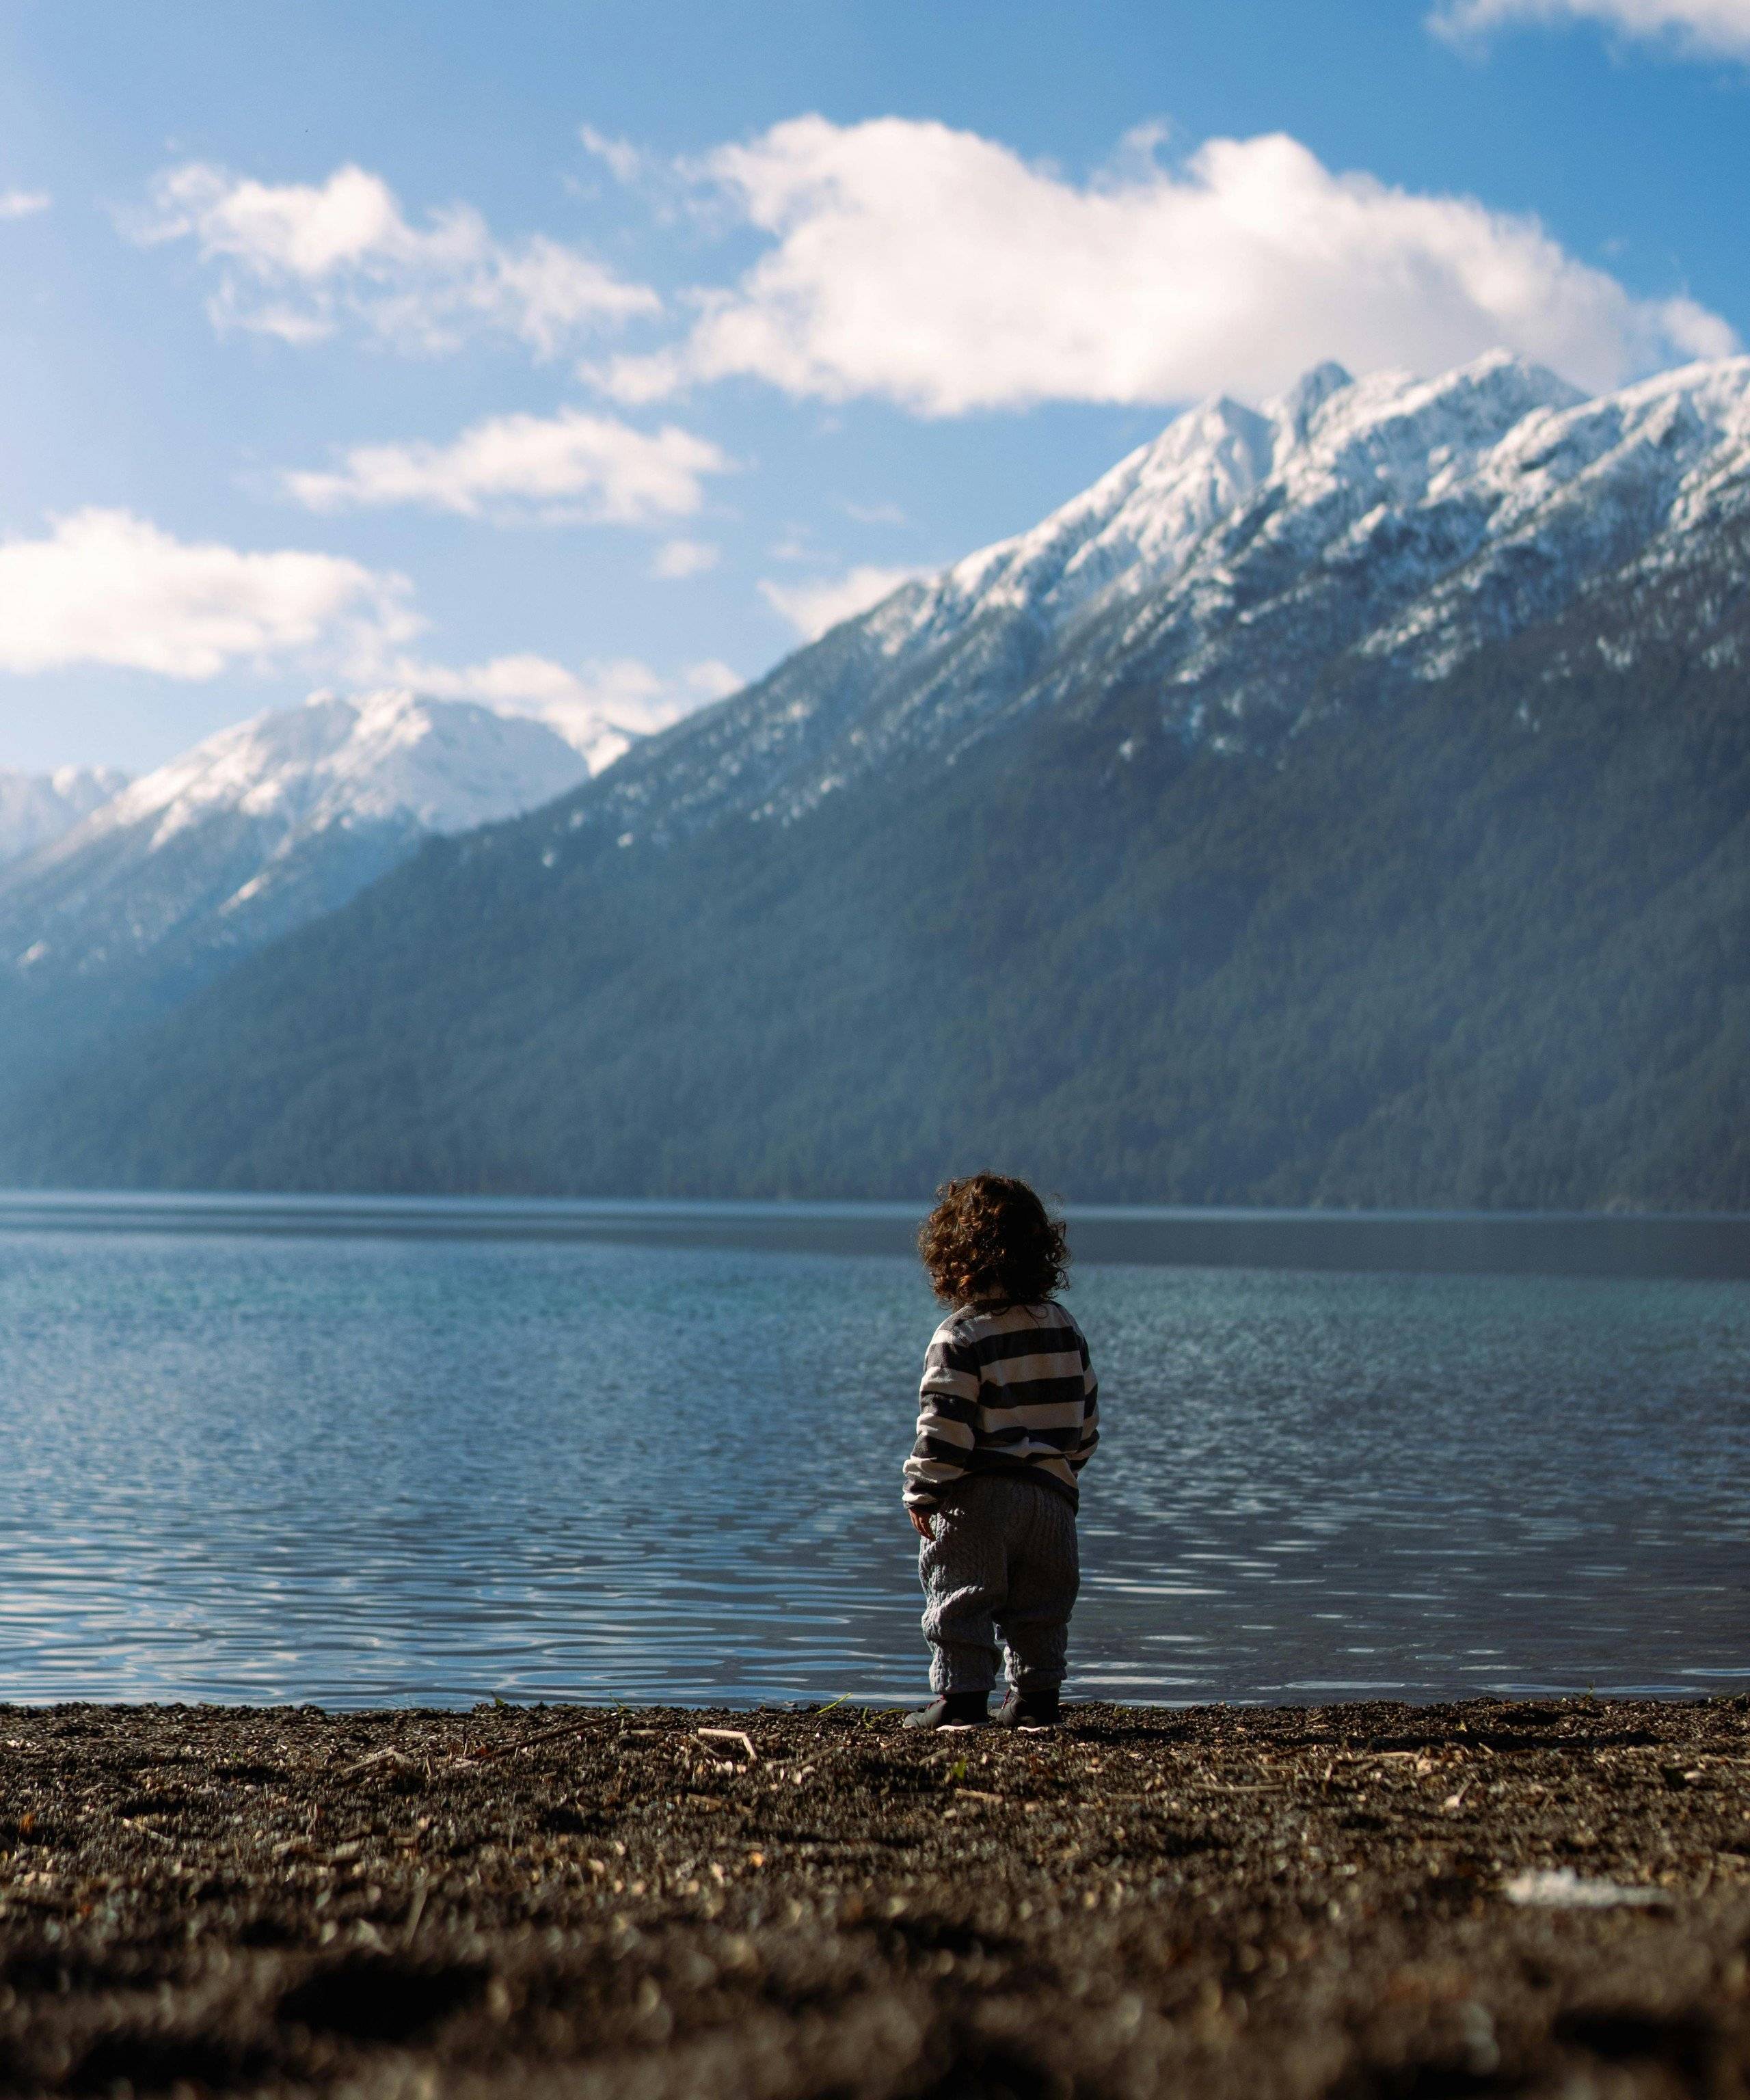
x=1008, y=1391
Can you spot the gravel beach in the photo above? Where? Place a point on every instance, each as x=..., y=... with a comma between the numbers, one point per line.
x=1547, y=1898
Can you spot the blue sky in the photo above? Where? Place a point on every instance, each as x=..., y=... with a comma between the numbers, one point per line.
x=637, y=339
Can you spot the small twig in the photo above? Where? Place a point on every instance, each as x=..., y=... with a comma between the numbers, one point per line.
x=133, y=1824
x=388, y=1757
x=416, y=1912
x=731, y=1735
x=528, y=1743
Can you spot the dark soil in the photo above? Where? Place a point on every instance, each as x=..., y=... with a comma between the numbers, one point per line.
x=1224, y=1902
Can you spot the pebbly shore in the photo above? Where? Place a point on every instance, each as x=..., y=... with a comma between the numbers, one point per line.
x=1358, y=1902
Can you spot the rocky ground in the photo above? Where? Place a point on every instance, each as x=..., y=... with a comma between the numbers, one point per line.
x=1221, y=1902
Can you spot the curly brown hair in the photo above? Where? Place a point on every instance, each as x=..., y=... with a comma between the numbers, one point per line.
x=989, y=1241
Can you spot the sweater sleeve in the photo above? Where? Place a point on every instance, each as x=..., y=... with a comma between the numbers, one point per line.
x=1090, y=1436
x=947, y=1413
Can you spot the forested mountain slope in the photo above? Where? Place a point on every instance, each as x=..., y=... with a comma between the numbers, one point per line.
x=1446, y=954
x=1374, y=830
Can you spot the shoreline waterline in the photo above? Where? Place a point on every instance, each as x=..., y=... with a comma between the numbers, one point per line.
x=1700, y=1245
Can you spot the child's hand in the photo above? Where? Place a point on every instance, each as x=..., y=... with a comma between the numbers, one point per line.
x=921, y=1523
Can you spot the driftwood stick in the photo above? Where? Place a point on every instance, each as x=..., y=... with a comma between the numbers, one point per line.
x=731, y=1735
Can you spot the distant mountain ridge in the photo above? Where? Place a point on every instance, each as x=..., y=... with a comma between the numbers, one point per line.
x=1257, y=827
x=254, y=831
x=224, y=846
x=37, y=808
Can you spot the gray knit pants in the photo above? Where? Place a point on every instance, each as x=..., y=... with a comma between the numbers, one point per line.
x=1002, y=1560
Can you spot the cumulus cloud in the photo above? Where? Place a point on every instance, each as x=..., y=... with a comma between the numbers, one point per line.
x=105, y=587
x=296, y=260
x=940, y=270
x=811, y=608
x=678, y=559
x=1718, y=29
x=568, y=467
x=23, y=204
x=598, y=707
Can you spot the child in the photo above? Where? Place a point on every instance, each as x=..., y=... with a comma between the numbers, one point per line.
x=1008, y=1413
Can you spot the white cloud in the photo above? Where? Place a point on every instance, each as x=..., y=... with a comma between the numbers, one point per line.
x=812, y=608
x=1704, y=27
x=599, y=708
x=108, y=587
x=938, y=269
x=678, y=559
x=569, y=467
x=622, y=159
x=876, y=513
x=22, y=204
x=296, y=259
x=713, y=680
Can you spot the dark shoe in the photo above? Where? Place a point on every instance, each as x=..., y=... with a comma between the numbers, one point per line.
x=1028, y=1710
x=952, y=1710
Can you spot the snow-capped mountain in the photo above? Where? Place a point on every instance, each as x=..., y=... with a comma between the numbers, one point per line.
x=263, y=825
x=1238, y=569
x=37, y=808
x=1342, y=801
x=445, y=765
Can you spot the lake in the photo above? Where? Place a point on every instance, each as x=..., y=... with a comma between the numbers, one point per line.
x=358, y=1466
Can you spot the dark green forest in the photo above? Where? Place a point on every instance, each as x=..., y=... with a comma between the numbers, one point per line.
x=1483, y=942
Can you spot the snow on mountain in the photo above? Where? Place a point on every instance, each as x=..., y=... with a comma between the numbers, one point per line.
x=1233, y=568
x=1307, y=466
x=37, y=808
x=1637, y=480
x=1135, y=527
x=594, y=735
x=267, y=823
x=1248, y=565
x=446, y=766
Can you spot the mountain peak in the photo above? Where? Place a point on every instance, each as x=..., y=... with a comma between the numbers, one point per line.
x=1504, y=376
x=1136, y=524
x=36, y=808
x=259, y=828
x=1389, y=519
x=385, y=756
x=1294, y=412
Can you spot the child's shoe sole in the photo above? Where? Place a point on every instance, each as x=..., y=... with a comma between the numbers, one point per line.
x=945, y=1716
x=1013, y=1714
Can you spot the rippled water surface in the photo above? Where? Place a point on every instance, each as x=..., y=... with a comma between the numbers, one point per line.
x=372, y=1471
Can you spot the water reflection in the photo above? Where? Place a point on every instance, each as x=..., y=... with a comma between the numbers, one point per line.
x=370, y=1470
